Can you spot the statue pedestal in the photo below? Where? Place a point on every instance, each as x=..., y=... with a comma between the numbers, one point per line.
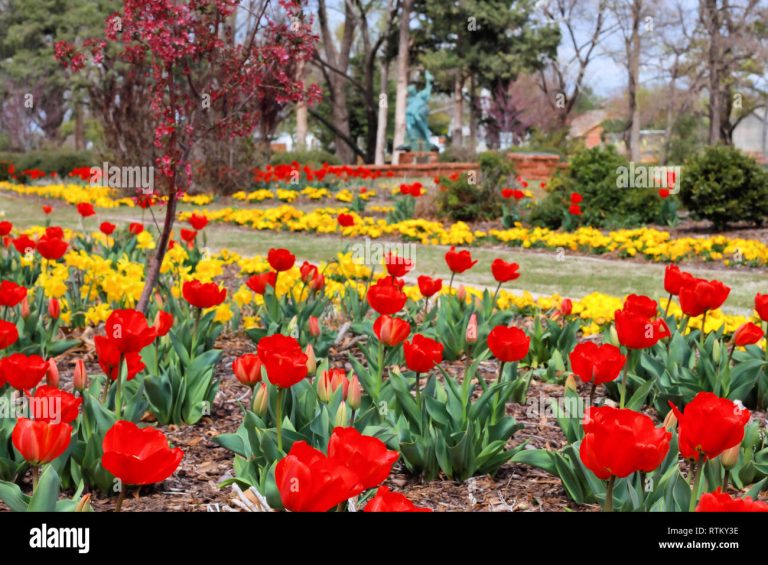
x=418, y=157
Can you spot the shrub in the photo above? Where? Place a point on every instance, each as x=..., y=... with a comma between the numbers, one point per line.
x=466, y=199
x=593, y=174
x=723, y=185
x=60, y=161
x=458, y=155
x=311, y=157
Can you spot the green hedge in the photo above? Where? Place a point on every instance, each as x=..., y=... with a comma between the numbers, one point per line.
x=60, y=161
x=313, y=157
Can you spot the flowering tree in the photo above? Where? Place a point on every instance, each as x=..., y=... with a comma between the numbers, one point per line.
x=204, y=79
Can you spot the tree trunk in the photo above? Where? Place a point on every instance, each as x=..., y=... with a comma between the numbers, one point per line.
x=633, y=140
x=713, y=64
x=302, y=125
x=381, y=123
x=157, y=260
x=475, y=114
x=402, y=79
x=79, y=127
x=457, y=135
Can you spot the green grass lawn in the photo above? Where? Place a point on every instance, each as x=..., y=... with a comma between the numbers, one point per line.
x=543, y=272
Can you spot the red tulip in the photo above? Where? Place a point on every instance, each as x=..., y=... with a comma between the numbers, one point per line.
x=314, y=326
x=638, y=332
x=386, y=296
x=422, y=353
x=576, y=198
x=5, y=228
x=107, y=228
x=24, y=244
x=285, y=362
x=748, y=334
x=597, y=364
x=129, y=331
x=8, y=334
x=391, y=331
x=574, y=210
x=641, y=305
x=85, y=209
x=11, y=294
x=47, y=209
x=198, y=221
x=110, y=358
x=330, y=381
x=761, y=305
x=346, y=220
x=308, y=271
x=388, y=501
x=188, y=235
x=709, y=425
x=355, y=393
x=135, y=228
x=51, y=248
x=429, y=286
x=258, y=283
x=366, y=456
x=163, y=323
x=54, y=308
x=508, y=344
x=247, y=369
x=138, y=456
x=675, y=279
x=397, y=266
x=719, y=501
x=52, y=374
x=23, y=372
x=566, y=307
x=40, y=442
x=79, y=376
x=308, y=481
x=701, y=296
x=55, y=232
x=503, y=271
x=203, y=295
x=55, y=405
x=281, y=259
x=459, y=261
x=618, y=442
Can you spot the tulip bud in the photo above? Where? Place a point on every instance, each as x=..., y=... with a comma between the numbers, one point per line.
x=340, y=421
x=323, y=389
x=355, y=394
x=566, y=307
x=614, y=337
x=570, y=383
x=730, y=456
x=314, y=326
x=52, y=375
x=670, y=422
x=260, y=402
x=471, y=335
x=80, y=377
x=311, y=359
x=717, y=352
x=461, y=294
x=54, y=308
x=84, y=504
x=25, y=308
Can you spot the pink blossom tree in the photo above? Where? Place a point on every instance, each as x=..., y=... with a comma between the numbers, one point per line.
x=204, y=79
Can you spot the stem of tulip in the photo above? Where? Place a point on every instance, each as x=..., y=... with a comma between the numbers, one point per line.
x=120, y=498
x=726, y=479
x=703, y=328
x=280, y=392
x=697, y=472
x=418, y=386
x=198, y=311
x=592, y=393
x=119, y=391
x=35, y=477
x=623, y=389
x=495, y=294
x=669, y=302
x=450, y=284
x=609, y=495
x=380, y=370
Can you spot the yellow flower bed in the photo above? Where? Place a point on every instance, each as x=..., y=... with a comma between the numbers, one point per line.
x=311, y=193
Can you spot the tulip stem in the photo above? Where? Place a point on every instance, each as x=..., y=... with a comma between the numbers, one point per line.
x=119, y=391
x=697, y=472
x=495, y=294
x=450, y=284
x=380, y=369
x=666, y=310
x=418, y=386
x=726, y=479
x=120, y=498
x=280, y=392
x=703, y=328
x=609, y=495
x=592, y=393
x=35, y=477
